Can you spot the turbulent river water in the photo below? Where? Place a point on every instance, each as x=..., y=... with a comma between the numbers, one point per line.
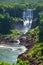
x=9, y=52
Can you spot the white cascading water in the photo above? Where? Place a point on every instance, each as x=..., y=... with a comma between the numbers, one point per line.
x=27, y=20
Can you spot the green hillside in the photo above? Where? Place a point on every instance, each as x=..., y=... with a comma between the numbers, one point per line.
x=21, y=0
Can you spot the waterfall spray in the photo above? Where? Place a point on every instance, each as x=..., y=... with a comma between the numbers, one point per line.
x=27, y=19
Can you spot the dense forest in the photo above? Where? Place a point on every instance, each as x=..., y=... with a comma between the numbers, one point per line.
x=21, y=1
x=11, y=13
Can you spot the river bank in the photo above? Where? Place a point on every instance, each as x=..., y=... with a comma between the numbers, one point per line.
x=25, y=56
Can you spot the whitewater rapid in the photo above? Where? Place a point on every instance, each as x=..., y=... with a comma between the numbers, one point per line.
x=10, y=53
x=23, y=48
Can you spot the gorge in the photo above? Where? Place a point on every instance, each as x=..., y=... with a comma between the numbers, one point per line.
x=21, y=32
x=13, y=50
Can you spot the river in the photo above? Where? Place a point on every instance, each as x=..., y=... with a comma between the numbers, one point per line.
x=9, y=52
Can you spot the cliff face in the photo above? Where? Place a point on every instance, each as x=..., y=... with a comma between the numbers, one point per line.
x=36, y=18
x=16, y=25
x=14, y=12
x=11, y=19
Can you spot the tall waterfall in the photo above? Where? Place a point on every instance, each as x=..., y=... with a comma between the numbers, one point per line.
x=27, y=19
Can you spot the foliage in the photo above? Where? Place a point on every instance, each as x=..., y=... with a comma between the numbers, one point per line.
x=13, y=5
x=13, y=34
x=4, y=24
x=36, y=52
x=41, y=19
x=21, y=1
x=15, y=19
x=19, y=62
x=11, y=12
x=41, y=64
x=4, y=63
x=21, y=6
x=1, y=16
x=34, y=34
x=41, y=27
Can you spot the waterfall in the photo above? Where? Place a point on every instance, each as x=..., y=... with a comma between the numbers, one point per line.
x=27, y=19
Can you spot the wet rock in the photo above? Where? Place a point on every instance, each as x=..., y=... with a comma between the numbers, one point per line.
x=8, y=40
x=26, y=41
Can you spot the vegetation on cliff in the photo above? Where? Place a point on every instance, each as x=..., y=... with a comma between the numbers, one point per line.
x=19, y=62
x=13, y=13
x=12, y=34
x=35, y=54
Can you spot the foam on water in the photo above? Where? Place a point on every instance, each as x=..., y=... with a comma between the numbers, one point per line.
x=10, y=53
x=23, y=48
x=18, y=41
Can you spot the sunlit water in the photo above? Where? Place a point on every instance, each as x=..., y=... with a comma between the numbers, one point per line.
x=9, y=53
